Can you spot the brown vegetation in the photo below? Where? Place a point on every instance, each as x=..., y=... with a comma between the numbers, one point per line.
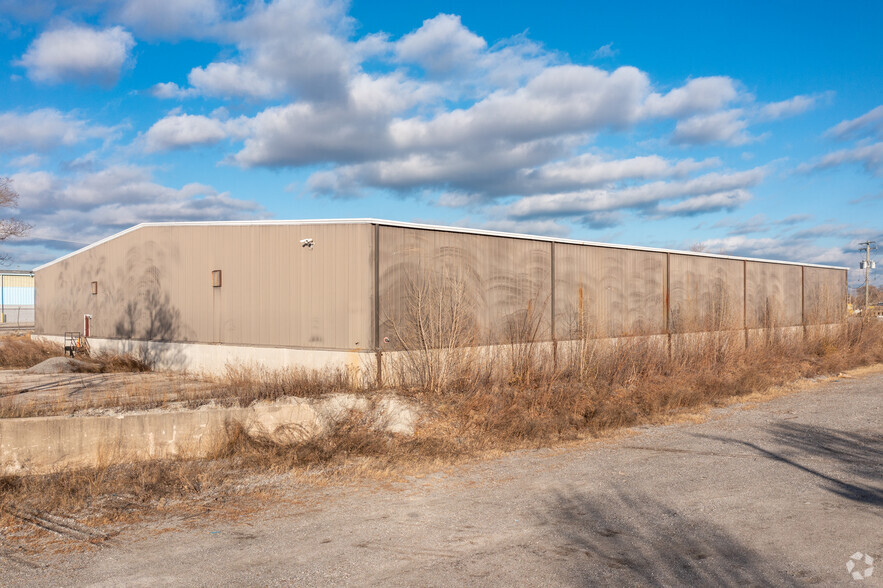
x=105, y=362
x=239, y=386
x=637, y=380
x=21, y=352
x=598, y=387
x=244, y=385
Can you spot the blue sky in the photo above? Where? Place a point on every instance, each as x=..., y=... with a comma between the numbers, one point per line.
x=745, y=128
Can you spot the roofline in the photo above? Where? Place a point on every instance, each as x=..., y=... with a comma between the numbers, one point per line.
x=450, y=229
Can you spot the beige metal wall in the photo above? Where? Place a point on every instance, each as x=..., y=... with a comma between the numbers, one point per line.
x=606, y=292
x=706, y=293
x=155, y=283
x=824, y=295
x=507, y=282
x=774, y=295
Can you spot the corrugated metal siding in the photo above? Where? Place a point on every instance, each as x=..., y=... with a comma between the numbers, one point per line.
x=18, y=290
x=706, y=293
x=507, y=280
x=825, y=295
x=773, y=295
x=608, y=292
x=155, y=283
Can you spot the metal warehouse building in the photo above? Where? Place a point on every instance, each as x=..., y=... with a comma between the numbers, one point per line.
x=329, y=293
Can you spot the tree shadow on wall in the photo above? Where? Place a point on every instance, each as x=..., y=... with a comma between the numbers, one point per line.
x=147, y=326
x=432, y=303
x=706, y=310
x=629, y=538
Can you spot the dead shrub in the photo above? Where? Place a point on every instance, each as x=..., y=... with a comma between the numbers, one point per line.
x=631, y=383
x=22, y=352
x=107, y=362
x=141, y=483
x=352, y=438
x=247, y=384
x=636, y=380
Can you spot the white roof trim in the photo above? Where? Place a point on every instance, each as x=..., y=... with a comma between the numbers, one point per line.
x=374, y=221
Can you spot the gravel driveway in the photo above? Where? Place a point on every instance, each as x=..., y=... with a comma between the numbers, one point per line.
x=781, y=493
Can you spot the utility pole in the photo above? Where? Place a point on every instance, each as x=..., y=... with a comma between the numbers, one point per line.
x=867, y=247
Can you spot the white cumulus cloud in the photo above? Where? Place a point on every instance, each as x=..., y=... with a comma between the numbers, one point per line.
x=79, y=54
x=699, y=95
x=712, y=191
x=44, y=130
x=227, y=80
x=184, y=130
x=167, y=19
x=87, y=206
x=441, y=46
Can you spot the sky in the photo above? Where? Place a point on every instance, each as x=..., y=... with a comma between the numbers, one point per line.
x=744, y=128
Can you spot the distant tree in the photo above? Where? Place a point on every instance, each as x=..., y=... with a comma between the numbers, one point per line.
x=9, y=226
x=875, y=295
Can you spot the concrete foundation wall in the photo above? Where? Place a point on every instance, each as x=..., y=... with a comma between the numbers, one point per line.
x=775, y=335
x=46, y=444
x=214, y=359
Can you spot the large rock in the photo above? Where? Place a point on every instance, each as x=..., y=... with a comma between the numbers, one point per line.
x=334, y=408
x=287, y=421
x=295, y=419
x=394, y=414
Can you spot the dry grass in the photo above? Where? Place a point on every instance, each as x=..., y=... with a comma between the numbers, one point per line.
x=351, y=439
x=21, y=352
x=473, y=413
x=73, y=490
x=239, y=386
x=105, y=362
x=243, y=385
x=639, y=382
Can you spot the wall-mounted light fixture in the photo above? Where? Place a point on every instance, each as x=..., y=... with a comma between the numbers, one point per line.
x=94, y=288
x=216, y=278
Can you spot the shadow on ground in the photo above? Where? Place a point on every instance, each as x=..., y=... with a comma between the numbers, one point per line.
x=633, y=539
x=846, y=463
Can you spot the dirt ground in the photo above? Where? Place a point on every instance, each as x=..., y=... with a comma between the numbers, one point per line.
x=778, y=493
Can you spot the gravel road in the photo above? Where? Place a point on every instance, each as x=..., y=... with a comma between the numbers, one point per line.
x=781, y=493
